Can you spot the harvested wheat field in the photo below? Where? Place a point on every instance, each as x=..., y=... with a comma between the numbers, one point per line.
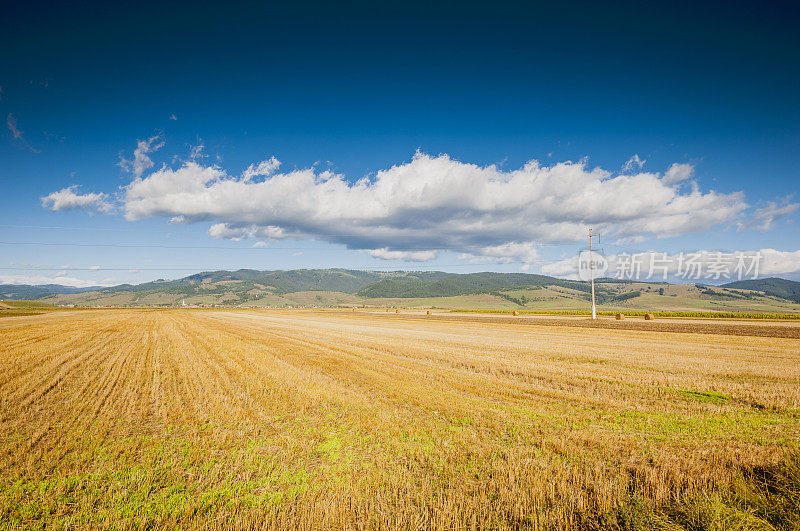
x=340, y=420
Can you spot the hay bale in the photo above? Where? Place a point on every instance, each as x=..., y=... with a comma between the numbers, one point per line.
x=397, y=311
x=649, y=317
x=620, y=316
x=428, y=312
x=516, y=312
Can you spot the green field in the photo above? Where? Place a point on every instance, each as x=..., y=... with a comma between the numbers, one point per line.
x=9, y=308
x=12, y=304
x=674, y=298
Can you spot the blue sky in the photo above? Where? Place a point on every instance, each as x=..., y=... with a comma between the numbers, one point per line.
x=440, y=107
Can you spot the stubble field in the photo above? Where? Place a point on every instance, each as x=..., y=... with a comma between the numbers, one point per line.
x=303, y=419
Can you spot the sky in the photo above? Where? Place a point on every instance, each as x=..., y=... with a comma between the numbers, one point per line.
x=147, y=141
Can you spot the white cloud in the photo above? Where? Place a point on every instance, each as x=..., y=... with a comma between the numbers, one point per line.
x=141, y=161
x=566, y=268
x=265, y=167
x=677, y=173
x=410, y=256
x=62, y=279
x=223, y=231
x=506, y=253
x=780, y=262
x=68, y=199
x=770, y=263
x=432, y=203
x=764, y=218
x=634, y=163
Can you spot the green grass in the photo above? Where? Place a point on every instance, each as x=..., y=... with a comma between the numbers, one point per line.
x=704, y=396
x=15, y=308
x=642, y=313
x=24, y=304
x=156, y=489
x=18, y=313
x=765, y=498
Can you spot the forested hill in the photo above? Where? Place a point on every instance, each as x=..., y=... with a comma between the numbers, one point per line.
x=776, y=287
x=488, y=290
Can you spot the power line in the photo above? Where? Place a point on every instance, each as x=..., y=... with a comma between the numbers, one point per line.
x=222, y=247
x=307, y=237
x=156, y=246
x=103, y=229
x=137, y=269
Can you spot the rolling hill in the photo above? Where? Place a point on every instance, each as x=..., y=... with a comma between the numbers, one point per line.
x=28, y=292
x=775, y=287
x=487, y=290
x=449, y=285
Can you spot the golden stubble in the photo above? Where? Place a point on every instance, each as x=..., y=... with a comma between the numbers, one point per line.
x=341, y=419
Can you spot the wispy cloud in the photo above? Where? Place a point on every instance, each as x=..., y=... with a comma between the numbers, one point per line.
x=634, y=163
x=11, y=121
x=196, y=152
x=61, y=278
x=505, y=253
x=141, y=161
x=764, y=218
x=263, y=168
x=17, y=134
x=409, y=256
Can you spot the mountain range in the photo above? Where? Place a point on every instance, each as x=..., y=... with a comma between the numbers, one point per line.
x=487, y=290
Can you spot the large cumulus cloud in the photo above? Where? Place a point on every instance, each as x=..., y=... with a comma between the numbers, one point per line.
x=432, y=203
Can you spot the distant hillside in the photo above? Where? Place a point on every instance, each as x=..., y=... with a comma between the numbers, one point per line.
x=348, y=281
x=246, y=283
x=413, y=286
x=243, y=286
x=27, y=292
x=776, y=287
x=344, y=287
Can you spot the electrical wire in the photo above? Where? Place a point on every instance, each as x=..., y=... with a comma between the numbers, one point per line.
x=264, y=248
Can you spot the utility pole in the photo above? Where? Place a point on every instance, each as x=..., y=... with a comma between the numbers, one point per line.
x=591, y=271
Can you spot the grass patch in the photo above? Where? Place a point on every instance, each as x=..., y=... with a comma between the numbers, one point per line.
x=765, y=498
x=642, y=313
x=16, y=313
x=704, y=396
x=19, y=304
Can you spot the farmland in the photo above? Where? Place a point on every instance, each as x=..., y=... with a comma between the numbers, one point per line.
x=341, y=419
